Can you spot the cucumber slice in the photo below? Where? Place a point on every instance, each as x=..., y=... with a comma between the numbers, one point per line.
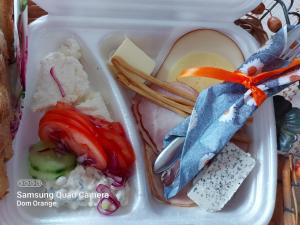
x=48, y=160
x=40, y=146
x=47, y=175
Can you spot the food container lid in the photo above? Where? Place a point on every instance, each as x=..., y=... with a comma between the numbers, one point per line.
x=174, y=10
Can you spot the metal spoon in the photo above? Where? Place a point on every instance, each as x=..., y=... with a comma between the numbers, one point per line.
x=168, y=155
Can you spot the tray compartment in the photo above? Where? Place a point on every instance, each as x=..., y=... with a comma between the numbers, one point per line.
x=246, y=201
x=27, y=135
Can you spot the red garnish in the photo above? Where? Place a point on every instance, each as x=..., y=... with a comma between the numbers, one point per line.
x=118, y=182
x=108, y=203
x=61, y=90
x=85, y=161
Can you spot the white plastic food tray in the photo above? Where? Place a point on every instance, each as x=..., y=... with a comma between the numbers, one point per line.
x=252, y=204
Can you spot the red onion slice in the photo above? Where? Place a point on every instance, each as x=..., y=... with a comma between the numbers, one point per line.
x=81, y=159
x=85, y=161
x=102, y=188
x=89, y=162
x=61, y=148
x=118, y=182
x=107, y=205
x=59, y=85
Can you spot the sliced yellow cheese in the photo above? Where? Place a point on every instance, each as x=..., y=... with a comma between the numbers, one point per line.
x=134, y=57
x=198, y=59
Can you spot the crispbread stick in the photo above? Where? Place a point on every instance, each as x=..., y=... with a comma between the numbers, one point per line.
x=118, y=62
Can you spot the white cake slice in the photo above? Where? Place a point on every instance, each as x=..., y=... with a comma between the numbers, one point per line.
x=216, y=184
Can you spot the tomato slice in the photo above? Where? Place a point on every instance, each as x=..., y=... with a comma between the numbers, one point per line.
x=118, y=128
x=99, y=122
x=103, y=141
x=122, y=142
x=79, y=141
x=111, y=126
x=49, y=116
x=120, y=145
x=117, y=164
x=69, y=112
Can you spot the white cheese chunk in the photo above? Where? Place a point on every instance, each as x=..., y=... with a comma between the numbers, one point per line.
x=135, y=58
x=94, y=105
x=70, y=74
x=70, y=47
x=216, y=184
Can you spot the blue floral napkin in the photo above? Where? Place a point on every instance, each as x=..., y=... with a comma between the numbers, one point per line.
x=221, y=110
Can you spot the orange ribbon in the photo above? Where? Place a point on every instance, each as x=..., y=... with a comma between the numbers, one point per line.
x=249, y=82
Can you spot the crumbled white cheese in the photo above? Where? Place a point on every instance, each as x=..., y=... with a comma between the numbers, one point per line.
x=71, y=190
x=216, y=184
x=70, y=74
x=94, y=105
x=70, y=47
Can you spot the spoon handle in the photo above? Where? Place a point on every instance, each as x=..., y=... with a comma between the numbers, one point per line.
x=168, y=155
